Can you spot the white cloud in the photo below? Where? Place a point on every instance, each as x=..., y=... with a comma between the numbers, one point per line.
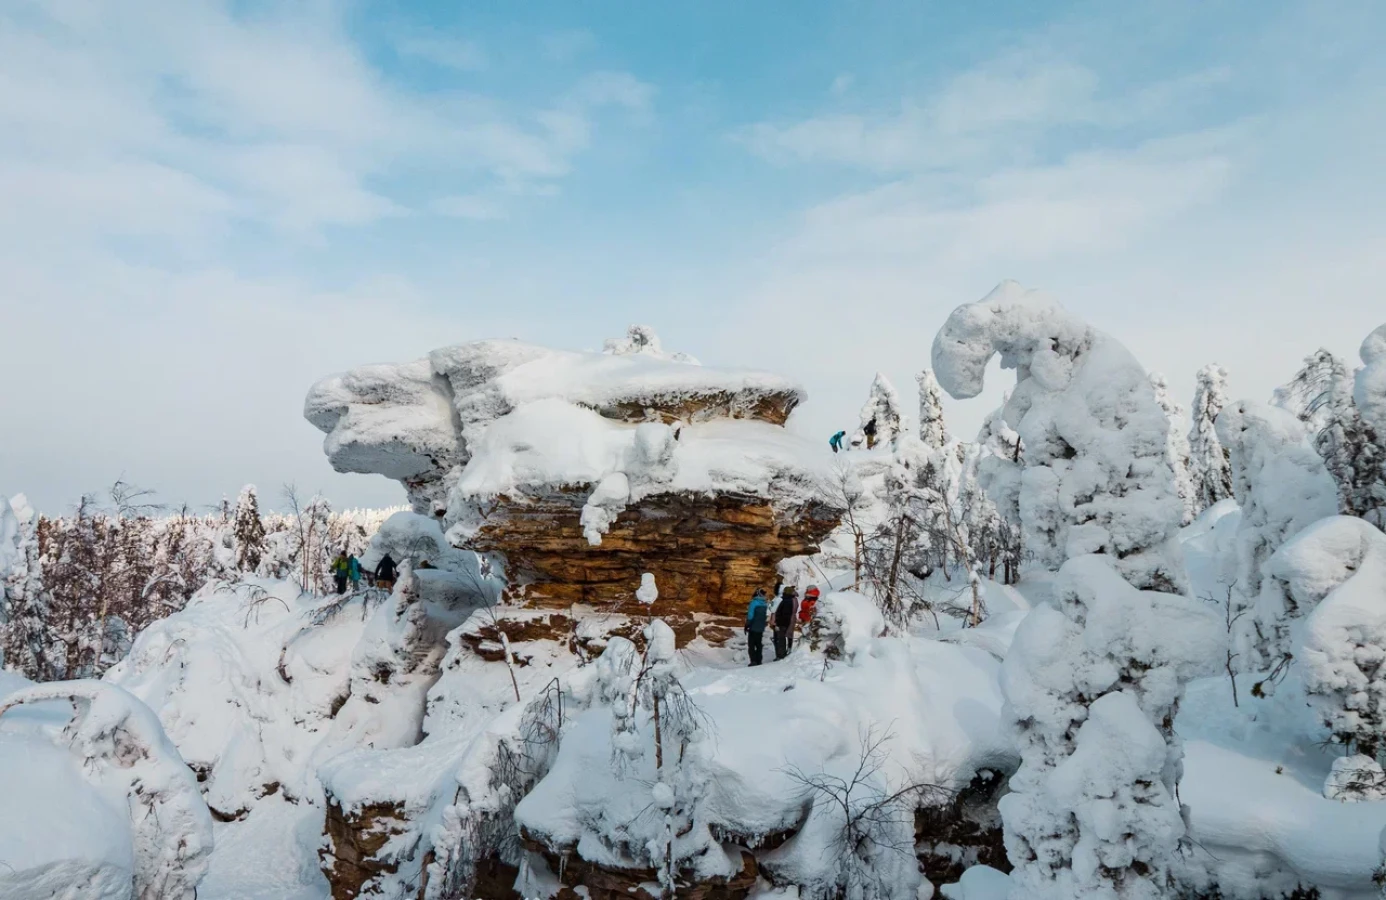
x=275, y=120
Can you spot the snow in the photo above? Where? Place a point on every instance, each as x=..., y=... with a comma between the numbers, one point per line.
x=1370, y=390
x=130, y=821
x=979, y=883
x=1094, y=474
x=648, y=592
x=941, y=711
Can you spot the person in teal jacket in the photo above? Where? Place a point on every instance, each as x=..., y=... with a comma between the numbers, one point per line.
x=836, y=441
x=354, y=571
x=757, y=615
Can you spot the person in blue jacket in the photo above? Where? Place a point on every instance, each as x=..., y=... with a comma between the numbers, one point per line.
x=757, y=615
x=836, y=441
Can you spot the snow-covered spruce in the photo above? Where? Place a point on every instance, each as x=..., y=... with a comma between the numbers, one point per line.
x=1321, y=395
x=1092, y=472
x=1370, y=388
x=123, y=749
x=932, y=430
x=882, y=417
x=1098, y=675
x=1178, y=448
x=1209, y=466
x=1335, y=574
x=1092, y=685
x=1282, y=487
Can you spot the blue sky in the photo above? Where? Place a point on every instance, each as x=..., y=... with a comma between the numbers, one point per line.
x=205, y=206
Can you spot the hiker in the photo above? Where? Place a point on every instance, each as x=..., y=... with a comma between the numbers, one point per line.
x=870, y=432
x=756, y=615
x=385, y=573
x=836, y=441
x=809, y=607
x=340, y=570
x=786, y=608
x=354, y=572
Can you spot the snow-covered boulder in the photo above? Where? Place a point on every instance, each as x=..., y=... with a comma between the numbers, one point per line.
x=586, y=470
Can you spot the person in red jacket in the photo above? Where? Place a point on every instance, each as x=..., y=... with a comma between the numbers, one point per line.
x=809, y=606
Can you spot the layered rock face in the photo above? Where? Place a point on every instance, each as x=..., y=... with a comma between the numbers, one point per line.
x=583, y=471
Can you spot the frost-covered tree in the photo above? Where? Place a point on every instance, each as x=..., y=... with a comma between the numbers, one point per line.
x=1282, y=486
x=1370, y=389
x=120, y=744
x=1177, y=447
x=248, y=530
x=24, y=642
x=1353, y=452
x=1306, y=396
x=882, y=417
x=1334, y=574
x=656, y=730
x=931, y=428
x=1102, y=668
x=1321, y=395
x=1089, y=470
x=1209, y=466
x=1092, y=685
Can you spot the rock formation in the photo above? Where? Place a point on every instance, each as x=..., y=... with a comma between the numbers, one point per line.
x=582, y=471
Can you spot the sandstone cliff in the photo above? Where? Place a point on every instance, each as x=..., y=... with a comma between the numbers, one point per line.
x=580, y=472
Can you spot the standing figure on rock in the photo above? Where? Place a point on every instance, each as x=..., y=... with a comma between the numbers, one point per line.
x=756, y=616
x=340, y=570
x=385, y=573
x=785, y=610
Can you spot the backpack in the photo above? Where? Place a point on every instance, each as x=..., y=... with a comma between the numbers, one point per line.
x=807, y=609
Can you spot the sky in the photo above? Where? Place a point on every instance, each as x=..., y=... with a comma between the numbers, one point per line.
x=206, y=206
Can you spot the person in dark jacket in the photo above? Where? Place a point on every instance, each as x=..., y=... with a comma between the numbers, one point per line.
x=386, y=573
x=785, y=611
x=756, y=615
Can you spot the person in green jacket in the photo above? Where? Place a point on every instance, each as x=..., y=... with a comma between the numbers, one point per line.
x=341, y=571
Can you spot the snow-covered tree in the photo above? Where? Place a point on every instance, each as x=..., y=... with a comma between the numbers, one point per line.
x=656, y=730
x=931, y=428
x=1306, y=396
x=1334, y=574
x=1104, y=666
x=1092, y=685
x=1370, y=389
x=248, y=530
x=1177, y=447
x=882, y=417
x=1089, y=470
x=1353, y=452
x=119, y=743
x=24, y=644
x=1208, y=463
x=1282, y=487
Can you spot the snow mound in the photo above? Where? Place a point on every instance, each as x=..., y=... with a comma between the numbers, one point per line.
x=109, y=809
